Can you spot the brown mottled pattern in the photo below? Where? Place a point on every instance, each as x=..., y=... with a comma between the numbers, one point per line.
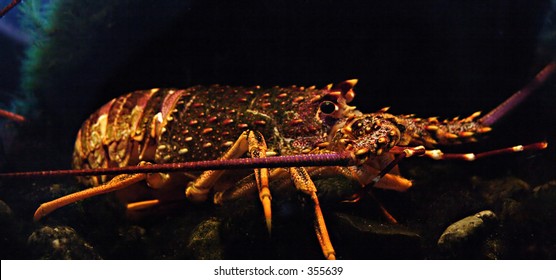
x=199, y=123
x=204, y=124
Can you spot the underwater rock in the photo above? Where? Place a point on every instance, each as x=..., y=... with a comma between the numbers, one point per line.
x=546, y=195
x=132, y=234
x=493, y=248
x=359, y=238
x=11, y=242
x=168, y=237
x=467, y=234
x=530, y=225
x=60, y=242
x=503, y=192
x=131, y=243
x=204, y=242
x=6, y=213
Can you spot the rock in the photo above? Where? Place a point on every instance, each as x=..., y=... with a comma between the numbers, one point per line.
x=11, y=241
x=60, y=242
x=204, y=242
x=503, y=195
x=530, y=225
x=6, y=214
x=501, y=189
x=132, y=234
x=131, y=243
x=169, y=236
x=493, y=248
x=467, y=234
x=356, y=237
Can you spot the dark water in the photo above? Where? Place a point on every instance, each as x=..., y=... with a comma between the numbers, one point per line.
x=431, y=58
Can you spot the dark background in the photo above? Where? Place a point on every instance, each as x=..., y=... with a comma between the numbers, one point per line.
x=431, y=58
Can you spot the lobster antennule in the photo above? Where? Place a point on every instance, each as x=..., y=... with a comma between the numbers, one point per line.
x=329, y=159
x=517, y=98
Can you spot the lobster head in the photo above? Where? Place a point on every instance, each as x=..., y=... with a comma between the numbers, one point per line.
x=332, y=104
x=366, y=135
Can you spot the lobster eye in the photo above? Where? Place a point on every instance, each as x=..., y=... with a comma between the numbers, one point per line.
x=328, y=107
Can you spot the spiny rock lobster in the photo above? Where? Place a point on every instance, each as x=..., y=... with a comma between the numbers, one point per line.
x=199, y=123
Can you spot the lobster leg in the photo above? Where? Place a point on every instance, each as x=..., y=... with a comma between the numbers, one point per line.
x=382, y=172
x=383, y=179
x=11, y=116
x=154, y=180
x=140, y=205
x=117, y=183
x=405, y=152
x=253, y=142
x=257, y=149
x=303, y=183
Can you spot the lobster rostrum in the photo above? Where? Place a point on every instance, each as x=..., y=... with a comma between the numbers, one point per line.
x=163, y=126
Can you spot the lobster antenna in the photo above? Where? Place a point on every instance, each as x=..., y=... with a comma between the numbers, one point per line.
x=8, y=7
x=330, y=159
x=517, y=98
x=11, y=116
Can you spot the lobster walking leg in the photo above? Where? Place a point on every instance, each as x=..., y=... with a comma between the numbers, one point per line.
x=11, y=116
x=154, y=180
x=117, y=183
x=400, y=183
x=303, y=182
x=253, y=142
x=140, y=205
x=406, y=152
x=257, y=149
